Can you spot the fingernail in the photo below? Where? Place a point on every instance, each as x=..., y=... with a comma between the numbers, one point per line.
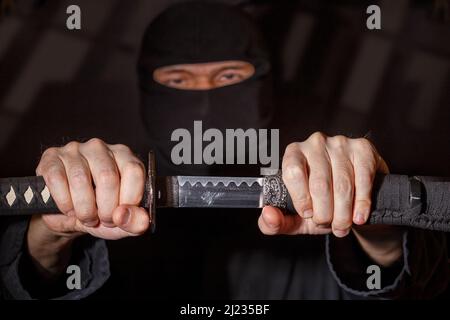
x=126, y=217
x=108, y=224
x=91, y=223
x=360, y=218
x=340, y=233
x=308, y=214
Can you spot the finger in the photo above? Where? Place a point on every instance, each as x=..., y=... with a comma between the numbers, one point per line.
x=61, y=224
x=51, y=168
x=106, y=179
x=132, y=173
x=382, y=165
x=102, y=232
x=343, y=189
x=366, y=162
x=81, y=189
x=320, y=186
x=132, y=219
x=273, y=222
x=295, y=177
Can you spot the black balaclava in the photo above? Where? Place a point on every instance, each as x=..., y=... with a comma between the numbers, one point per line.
x=199, y=32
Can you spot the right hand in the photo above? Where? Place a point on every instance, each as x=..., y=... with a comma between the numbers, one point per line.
x=111, y=209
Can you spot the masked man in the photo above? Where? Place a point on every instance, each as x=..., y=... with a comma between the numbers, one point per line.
x=206, y=62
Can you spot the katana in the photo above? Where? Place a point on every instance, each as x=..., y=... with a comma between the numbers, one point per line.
x=421, y=202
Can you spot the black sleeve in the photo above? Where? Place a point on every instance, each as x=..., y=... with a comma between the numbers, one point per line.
x=18, y=279
x=421, y=273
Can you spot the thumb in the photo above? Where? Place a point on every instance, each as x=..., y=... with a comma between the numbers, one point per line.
x=272, y=222
x=132, y=219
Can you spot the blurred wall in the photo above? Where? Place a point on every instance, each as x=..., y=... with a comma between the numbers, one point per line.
x=331, y=74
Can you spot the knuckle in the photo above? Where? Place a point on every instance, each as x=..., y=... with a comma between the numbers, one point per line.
x=339, y=141
x=318, y=138
x=293, y=172
x=71, y=147
x=365, y=167
x=319, y=186
x=95, y=143
x=108, y=177
x=343, y=186
x=292, y=147
x=324, y=220
x=53, y=175
x=363, y=144
x=86, y=214
x=123, y=148
x=50, y=153
x=134, y=169
x=78, y=177
x=64, y=204
x=368, y=164
x=302, y=203
x=364, y=179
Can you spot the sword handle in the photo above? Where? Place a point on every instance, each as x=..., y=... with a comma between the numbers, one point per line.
x=421, y=202
x=25, y=196
x=29, y=195
x=395, y=193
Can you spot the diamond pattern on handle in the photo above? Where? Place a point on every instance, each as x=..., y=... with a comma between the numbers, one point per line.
x=28, y=195
x=11, y=197
x=24, y=196
x=45, y=193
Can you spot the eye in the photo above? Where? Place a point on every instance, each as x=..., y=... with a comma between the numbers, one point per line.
x=175, y=81
x=180, y=82
x=229, y=77
x=179, y=79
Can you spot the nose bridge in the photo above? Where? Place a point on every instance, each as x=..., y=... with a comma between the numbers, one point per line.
x=204, y=82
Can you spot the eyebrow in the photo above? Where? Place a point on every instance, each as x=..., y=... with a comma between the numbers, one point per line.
x=176, y=70
x=228, y=68
x=179, y=69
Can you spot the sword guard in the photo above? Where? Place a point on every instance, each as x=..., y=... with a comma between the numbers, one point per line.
x=275, y=192
x=150, y=203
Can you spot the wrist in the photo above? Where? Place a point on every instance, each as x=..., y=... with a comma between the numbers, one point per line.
x=49, y=251
x=383, y=244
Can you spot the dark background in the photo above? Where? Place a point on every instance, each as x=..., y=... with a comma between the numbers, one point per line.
x=331, y=74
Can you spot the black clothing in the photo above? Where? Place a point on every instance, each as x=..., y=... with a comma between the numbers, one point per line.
x=238, y=266
x=196, y=32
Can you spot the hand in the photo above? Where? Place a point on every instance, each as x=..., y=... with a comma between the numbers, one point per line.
x=110, y=210
x=330, y=181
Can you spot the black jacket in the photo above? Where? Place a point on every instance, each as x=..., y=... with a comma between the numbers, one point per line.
x=186, y=262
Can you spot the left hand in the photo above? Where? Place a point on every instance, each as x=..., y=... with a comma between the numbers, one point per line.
x=330, y=182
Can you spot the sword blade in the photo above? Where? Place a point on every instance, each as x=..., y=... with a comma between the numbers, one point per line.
x=214, y=192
